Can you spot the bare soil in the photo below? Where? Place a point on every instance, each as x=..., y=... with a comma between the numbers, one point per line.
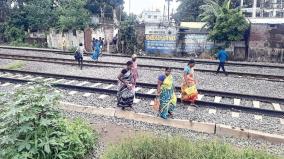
x=112, y=134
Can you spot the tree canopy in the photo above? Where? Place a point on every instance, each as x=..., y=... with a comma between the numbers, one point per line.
x=128, y=34
x=41, y=15
x=35, y=15
x=189, y=10
x=225, y=24
x=100, y=7
x=72, y=14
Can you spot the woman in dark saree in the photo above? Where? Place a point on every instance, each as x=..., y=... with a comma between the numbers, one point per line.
x=125, y=93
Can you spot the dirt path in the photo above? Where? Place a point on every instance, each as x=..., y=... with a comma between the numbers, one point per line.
x=112, y=134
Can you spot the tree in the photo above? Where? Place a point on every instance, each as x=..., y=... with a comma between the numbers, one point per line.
x=33, y=16
x=234, y=3
x=4, y=9
x=128, y=34
x=224, y=23
x=189, y=10
x=40, y=15
x=211, y=10
x=100, y=7
x=116, y=5
x=106, y=8
x=72, y=14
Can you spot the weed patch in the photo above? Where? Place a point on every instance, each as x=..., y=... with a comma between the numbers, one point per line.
x=31, y=127
x=151, y=147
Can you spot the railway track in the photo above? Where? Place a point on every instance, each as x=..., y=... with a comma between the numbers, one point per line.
x=91, y=63
x=147, y=91
x=182, y=60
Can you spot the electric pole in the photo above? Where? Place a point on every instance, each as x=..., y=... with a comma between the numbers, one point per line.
x=129, y=6
x=169, y=8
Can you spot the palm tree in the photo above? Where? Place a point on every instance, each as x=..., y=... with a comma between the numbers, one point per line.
x=225, y=24
x=212, y=10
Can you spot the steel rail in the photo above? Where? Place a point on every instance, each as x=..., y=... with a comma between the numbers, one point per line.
x=183, y=60
x=148, y=85
x=92, y=64
x=151, y=96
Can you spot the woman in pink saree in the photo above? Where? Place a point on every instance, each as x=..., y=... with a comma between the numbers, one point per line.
x=134, y=71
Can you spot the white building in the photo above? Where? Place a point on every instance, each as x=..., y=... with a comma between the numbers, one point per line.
x=263, y=8
x=152, y=16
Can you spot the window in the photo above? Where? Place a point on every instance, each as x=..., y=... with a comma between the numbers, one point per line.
x=155, y=17
x=149, y=16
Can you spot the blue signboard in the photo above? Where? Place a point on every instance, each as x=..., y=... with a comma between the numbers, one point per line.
x=164, y=44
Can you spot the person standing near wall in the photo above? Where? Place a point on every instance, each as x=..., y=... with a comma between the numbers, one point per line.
x=134, y=71
x=94, y=44
x=222, y=56
x=96, y=52
x=114, y=43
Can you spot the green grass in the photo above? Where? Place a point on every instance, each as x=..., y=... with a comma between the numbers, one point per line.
x=151, y=147
x=17, y=65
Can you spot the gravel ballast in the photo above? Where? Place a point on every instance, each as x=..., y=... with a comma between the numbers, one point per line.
x=222, y=116
x=268, y=124
x=204, y=80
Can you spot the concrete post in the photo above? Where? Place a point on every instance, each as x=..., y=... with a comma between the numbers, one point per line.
x=254, y=8
x=242, y=3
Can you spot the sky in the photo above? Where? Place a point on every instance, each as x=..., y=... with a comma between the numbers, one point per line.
x=137, y=6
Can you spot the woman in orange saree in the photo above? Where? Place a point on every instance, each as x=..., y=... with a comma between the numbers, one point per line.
x=188, y=89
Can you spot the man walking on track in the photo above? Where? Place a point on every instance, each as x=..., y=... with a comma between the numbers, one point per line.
x=79, y=55
x=222, y=57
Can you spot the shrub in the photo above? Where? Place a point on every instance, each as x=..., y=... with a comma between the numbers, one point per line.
x=31, y=127
x=15, y=34
x=149, y=147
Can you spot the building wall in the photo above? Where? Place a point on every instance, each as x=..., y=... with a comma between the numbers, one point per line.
x=65, y=41
x=266, y=43
x=71, y=39
x=194, y=43
x=265, y=8
x=152, y=17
